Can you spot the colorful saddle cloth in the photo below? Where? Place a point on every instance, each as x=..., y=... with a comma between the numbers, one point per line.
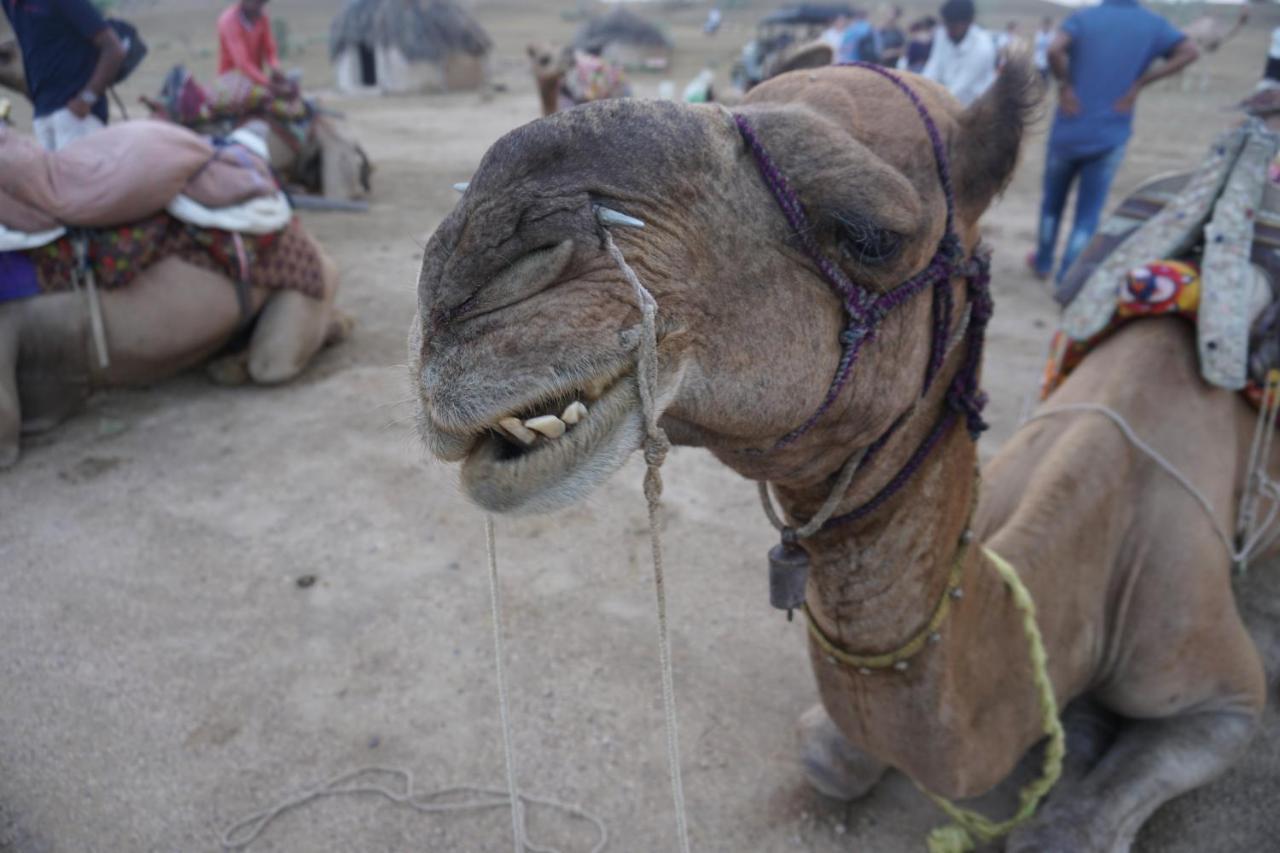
x=1223, y=216
x=229, y=101
x=591, y=78
x=281, y=260
x=1165, y=288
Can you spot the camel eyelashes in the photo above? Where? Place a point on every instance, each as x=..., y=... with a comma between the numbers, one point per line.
x=864, y=242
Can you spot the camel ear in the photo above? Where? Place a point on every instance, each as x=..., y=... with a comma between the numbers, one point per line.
x=985, y=152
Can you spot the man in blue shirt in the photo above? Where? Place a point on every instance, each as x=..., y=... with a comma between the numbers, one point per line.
x=1102, y=57
x=858, y=42
x=71, y=56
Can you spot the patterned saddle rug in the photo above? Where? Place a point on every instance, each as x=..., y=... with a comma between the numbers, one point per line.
x=279, y=260
x=1223, y=219
x=1174, y=288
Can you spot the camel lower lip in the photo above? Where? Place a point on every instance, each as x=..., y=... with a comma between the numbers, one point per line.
x=555, y=474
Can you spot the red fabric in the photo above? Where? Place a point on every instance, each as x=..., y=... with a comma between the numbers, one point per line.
x=246, y=49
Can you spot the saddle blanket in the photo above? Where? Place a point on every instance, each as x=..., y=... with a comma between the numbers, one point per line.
x=285, y=259
x=1164, y=288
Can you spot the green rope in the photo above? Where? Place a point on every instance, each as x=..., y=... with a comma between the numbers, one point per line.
x=971, y=828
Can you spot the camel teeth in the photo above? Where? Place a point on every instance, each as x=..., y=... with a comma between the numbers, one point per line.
x=548, y=425
x=517, y=430
x=574, y=413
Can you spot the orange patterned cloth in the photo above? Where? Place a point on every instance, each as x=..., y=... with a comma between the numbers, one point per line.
x=1156, y=289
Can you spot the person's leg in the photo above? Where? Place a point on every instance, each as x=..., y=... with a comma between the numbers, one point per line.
x=1096, y=175
x=42, y=128
x=67, y=128
x=1059, y=172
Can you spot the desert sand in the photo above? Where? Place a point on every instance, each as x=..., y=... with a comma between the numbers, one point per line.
x=166, y=668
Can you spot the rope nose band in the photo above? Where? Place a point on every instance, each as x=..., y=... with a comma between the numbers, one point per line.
x=864, y=309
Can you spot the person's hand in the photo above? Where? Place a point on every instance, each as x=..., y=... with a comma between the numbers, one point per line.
x=1068, y=103
x=1128, y=101
x=79, y=107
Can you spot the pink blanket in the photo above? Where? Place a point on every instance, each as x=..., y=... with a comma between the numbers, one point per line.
x=122, y=174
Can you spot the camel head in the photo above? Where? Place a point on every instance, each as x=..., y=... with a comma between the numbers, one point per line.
x=522, y=313
x=548, y=63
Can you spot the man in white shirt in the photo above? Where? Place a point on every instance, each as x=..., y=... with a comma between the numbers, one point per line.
x=964, y=55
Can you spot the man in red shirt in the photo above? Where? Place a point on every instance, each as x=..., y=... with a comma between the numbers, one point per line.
x=246, y=45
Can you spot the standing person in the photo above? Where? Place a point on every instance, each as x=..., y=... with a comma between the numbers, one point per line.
x=891, y=41
x=1102, y=57
x=714, y=18
x=1271, y=71
x=964, y=55
x=919, y=44
x=1040, y=49
x=70, y=55
x=858, y=42
x=246, y=45
x=834, y=34
x=1007, y=42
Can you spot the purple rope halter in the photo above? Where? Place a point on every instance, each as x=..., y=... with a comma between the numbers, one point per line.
x=866, y=310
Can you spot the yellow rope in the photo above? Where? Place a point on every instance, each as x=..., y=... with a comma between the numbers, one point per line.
x=909, y=649
x=971, y=828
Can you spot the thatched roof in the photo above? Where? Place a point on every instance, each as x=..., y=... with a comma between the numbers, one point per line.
x=424, y=30
x=621, y=26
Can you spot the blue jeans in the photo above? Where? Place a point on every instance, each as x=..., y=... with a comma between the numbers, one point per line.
x=1095, y=174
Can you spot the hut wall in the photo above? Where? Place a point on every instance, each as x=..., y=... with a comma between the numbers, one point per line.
x=347, y=71
x=460, y=72
x=465, y=73
x=637, y=57
x=398, y=75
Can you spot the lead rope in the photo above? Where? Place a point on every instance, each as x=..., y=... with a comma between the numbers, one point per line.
x=504, y=708
x=656, y=445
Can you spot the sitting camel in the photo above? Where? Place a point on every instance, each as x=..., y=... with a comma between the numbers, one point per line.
x=176, y=314
x=1131, y=583
x=568, y=78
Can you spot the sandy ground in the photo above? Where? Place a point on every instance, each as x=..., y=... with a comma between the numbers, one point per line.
x=163, y=672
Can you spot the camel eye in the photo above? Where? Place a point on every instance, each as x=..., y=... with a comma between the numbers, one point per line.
x=864, y=242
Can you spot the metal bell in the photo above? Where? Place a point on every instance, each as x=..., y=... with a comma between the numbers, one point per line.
x=788, y=573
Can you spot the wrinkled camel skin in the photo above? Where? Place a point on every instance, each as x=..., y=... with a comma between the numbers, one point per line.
x=172, y=317
x=518, y=304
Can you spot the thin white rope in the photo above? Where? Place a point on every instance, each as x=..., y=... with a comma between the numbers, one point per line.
x=1256, y=471
x=656, y=446
x=247, y=830
x=504, y=708
x=1267, y=487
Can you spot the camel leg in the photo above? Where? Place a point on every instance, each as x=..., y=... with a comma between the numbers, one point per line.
x=10, y=404
x=1152, y=762
x=292, y=328
x=832, y=765
x=1190, y=690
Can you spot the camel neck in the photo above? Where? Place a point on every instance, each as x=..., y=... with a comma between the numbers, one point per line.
x=549, y=93
x=962, y=712
x=873, y=583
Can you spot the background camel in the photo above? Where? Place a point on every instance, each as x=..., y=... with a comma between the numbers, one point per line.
x=556, y=91
x=12, y=74
x=522, y=314
x=173, y=316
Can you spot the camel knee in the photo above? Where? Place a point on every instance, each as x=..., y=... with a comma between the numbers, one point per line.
x=10, y=446
x=834, y=767
x=268, y=367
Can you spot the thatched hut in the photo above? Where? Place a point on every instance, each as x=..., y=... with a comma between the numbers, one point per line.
x=624, y=38
x=408, y=46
